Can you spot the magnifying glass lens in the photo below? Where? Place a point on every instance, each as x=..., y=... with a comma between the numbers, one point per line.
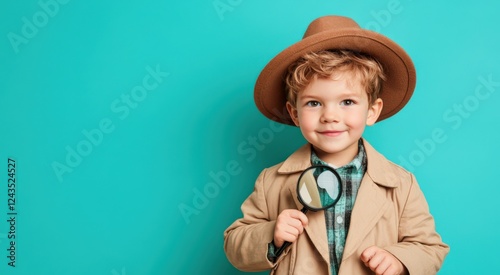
x=319, y=187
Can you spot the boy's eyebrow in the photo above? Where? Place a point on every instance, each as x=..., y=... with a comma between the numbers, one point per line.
x=350, y=94
x=342, y=95
x=303, y=96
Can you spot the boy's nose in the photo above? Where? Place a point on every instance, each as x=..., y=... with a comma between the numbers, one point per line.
x=330, y=114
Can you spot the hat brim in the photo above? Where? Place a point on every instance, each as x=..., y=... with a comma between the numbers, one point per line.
x=270, y=95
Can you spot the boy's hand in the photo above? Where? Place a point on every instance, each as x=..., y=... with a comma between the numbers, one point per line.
x=289, y=225
x=382, y=262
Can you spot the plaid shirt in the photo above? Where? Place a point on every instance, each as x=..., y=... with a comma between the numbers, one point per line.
x=338, y=217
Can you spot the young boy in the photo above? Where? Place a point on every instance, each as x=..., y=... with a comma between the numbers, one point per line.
x=335, y=81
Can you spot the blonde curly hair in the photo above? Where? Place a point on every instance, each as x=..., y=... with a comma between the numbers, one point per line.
x=326, y=64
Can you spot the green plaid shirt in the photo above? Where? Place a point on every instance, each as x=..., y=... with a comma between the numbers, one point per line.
x=338, y=217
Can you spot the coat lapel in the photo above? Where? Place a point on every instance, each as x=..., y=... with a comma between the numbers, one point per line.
x=316, y=230
x=371, y=202
x=365, y=214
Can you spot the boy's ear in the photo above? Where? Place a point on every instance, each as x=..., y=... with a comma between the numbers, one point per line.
x=374, y=111
x=292, y=111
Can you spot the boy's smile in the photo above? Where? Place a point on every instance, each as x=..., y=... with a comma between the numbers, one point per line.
x=332, y=114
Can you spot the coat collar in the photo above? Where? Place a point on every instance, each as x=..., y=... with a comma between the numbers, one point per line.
x=365, y=214
x=377, y=164
x=298, y=161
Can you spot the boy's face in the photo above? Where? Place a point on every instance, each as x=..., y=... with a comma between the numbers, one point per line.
x=332, y=115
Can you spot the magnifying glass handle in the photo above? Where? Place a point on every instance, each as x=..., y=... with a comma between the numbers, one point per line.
x=286, y=244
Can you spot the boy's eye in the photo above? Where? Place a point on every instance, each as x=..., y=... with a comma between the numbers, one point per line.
x=313, y=103
x=347, y=102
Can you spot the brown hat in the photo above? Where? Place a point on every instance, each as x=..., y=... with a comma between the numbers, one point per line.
x=338, y=32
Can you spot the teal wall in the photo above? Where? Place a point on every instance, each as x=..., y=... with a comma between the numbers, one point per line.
x=120, y=114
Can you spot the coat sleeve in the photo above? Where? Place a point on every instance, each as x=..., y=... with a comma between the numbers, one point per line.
x=246, y=240
x=420, y=247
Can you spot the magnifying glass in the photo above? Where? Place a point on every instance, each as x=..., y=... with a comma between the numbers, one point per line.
x=319, y=187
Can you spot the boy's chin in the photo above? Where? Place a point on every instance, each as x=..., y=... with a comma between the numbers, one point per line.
x=336, y=155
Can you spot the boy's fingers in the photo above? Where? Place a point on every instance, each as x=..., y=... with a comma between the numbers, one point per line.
x=290, y=219
x=297, y=225
x=288, y=234
x=296, y=214
x=368, y=254
x=292, y=233
x=382, y=267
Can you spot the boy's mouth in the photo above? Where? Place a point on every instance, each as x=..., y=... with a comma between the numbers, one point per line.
x=331, y=133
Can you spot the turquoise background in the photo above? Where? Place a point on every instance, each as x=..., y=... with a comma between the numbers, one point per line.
x=117, y=210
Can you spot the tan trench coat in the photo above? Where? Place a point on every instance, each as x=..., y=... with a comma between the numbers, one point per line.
x=390, y=211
